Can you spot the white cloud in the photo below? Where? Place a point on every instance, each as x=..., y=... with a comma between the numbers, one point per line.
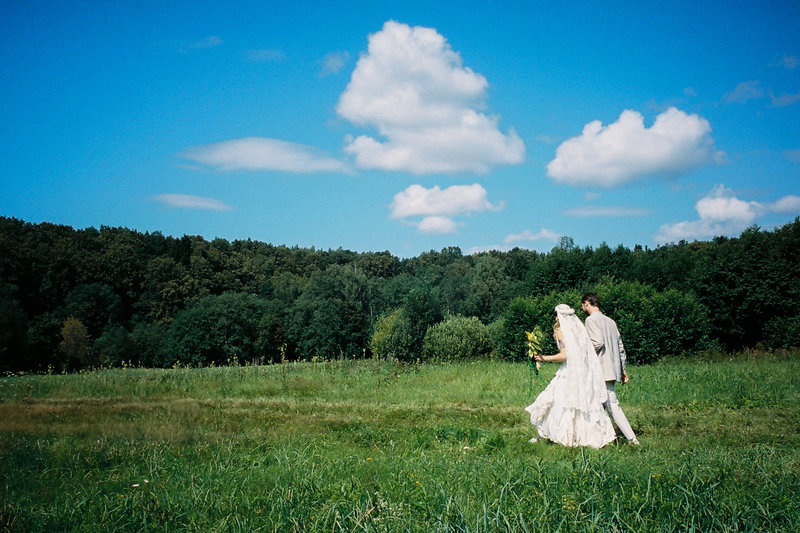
x=266, y=55
x=543, y=234
x=720, y=206
x=791, y=62
x=257, y=153
x=437, y=225
x=481, y=249
x=788, y=204
x=607, y=156
x=438, y=206
x=519, y=240
x=209, y=42
x=784, y=99
x=746, y=90
x=749, y=90
x=721, y=213
x=455, y=200
x=607, y=211
x=427, y=108
x=334, y=62
x=186, y=201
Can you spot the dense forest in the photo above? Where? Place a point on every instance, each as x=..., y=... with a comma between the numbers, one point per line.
x=72, y=299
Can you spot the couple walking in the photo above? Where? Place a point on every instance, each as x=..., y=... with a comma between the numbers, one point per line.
x=574, y=408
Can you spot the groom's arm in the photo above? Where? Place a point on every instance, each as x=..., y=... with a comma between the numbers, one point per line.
x=623, y=357
x=595, y=333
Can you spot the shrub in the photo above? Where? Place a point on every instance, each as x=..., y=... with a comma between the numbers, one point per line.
x=457, y=337
x=379, y=342
x=655, y=324
x=271, y=337
x=402, y=333
x=782, y=332
x=652, y=324
x=401, y=340
x=150, y=343
x=216, y=329
x=75, y=344
x=113, y=346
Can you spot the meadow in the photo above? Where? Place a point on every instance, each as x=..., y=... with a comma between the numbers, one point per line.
x=369, y=445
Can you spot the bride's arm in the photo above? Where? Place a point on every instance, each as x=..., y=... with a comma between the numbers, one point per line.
x=560, y=356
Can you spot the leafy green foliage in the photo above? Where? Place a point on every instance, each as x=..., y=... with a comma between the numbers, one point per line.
x=782, y=331
x=331, y=318
x=655, y=324
x=380, y=342
x=327, y=303
x=13, y=337
x=652, y=324
x=749, y=282
x=487, y=288
x=149, y=342
x=457, y=337
x=400, y=334
x=524, y=314
x=114, y=346
x=75, y=343
x=95, y=305
x=401, y=340
x=216, y=329
x=421, y=310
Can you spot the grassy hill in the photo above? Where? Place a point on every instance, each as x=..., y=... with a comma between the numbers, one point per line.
x=374, y=446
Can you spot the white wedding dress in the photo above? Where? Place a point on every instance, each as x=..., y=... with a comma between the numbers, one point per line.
x=570, y=410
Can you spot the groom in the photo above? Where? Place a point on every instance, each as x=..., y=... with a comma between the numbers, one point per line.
x=607, y=343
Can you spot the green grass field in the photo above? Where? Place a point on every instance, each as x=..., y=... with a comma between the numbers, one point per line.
x=375, y=446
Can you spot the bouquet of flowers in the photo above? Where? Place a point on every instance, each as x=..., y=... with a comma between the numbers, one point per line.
x=534, y=346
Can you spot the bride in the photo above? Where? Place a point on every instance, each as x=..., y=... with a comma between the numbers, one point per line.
x=570, y=410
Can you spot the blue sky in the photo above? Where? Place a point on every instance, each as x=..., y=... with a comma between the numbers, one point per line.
x=371, y=126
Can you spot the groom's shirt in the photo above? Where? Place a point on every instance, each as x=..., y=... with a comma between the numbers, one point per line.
x=607, y=343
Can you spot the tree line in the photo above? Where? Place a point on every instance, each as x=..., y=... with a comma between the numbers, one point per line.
x=78, y=298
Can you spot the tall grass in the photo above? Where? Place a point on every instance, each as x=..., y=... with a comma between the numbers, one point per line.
x=375, y=446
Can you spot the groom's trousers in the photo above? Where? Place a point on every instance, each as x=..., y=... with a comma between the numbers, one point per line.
x=615, y=411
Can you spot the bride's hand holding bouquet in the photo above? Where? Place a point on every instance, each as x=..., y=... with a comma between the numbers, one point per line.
x=535, y=346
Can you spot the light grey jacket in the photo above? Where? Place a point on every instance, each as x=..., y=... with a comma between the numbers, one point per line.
x=607, y=343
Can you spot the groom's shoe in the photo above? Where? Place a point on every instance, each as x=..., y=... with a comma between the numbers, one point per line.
x=634, y=441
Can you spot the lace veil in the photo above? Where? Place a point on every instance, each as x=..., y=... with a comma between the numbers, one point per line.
x=582, y=369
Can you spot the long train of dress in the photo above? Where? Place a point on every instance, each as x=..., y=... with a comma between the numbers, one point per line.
x=559, y=415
